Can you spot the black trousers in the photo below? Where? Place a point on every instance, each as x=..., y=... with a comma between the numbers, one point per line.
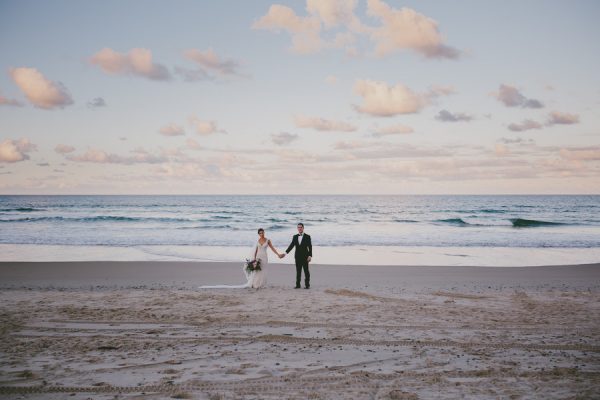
x=302, y=265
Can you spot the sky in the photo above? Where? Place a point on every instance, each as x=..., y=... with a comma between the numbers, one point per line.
x=299, y=97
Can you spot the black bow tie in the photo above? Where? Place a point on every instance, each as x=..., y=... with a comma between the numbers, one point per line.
x=299, y=234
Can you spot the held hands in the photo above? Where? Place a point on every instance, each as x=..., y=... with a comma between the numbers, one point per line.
x=282, y=255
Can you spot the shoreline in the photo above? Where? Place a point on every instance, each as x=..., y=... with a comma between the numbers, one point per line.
x=505, y=257
x=190, y=275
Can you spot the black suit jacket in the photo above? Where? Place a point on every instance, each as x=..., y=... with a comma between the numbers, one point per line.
x=303, y=249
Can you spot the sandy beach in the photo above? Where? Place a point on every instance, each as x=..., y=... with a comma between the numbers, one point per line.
x=117, y=330
x=436, y=163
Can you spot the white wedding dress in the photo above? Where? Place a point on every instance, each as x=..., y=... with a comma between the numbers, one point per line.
x=254, y=279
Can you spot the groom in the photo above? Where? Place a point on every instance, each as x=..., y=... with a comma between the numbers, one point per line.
x=303, y=255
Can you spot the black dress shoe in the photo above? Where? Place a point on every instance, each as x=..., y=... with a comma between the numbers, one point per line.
x=307, y=287
x=297, y=287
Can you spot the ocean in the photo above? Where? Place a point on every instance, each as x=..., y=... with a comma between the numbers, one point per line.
x=486, y=230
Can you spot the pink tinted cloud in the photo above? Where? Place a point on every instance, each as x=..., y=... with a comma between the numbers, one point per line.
x=562, y=118
x=383, y=100
x=510, y=96
x=5, y=101
x=103, y=157
x=39, y=90
x=64, y=149
x=172, y=130
x=406, y=29
x=322, y=124
x=138, y=61
x=12, y=151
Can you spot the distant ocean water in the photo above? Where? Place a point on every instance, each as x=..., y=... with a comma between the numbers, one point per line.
x=174, y=222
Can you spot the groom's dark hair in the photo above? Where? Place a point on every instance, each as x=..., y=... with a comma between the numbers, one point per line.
x=300, y=223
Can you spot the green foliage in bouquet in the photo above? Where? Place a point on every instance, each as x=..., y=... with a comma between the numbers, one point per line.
x=252, y=265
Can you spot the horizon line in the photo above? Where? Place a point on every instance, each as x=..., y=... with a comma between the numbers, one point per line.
x=301, y=194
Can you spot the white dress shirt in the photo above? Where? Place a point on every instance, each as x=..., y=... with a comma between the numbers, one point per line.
x=300, y=238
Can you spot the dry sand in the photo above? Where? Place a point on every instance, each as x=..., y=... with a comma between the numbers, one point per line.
x=112, y=330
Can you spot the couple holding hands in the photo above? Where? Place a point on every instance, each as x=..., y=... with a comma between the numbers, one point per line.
x=303, y=255
x=257, y=278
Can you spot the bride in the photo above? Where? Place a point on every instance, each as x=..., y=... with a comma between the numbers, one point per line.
x=254, y=279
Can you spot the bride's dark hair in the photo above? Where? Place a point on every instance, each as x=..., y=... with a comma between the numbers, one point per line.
x=260, y=230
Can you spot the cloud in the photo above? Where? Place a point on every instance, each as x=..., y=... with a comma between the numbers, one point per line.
x=321, y=124
x=188, y=171
x=332, y=12
x=406, y=29
x=12, y=151
x=228, y=165
x=398, y=29
x=352, y=52
x=291, y=156
x=447, y=116
x=172, y=130
x=305, y=31
x=526, y=125
x=589, y=153
x=440, y=90
x=193, y=75
x=331, y=79
x=501, y=150
x=512, y=97
x=561, y=118
x=382, y=100
x=193, y=144
x=532, y=103
x=283, y=138
x=40, y=91
x=209, y=60
x=356, y=144
x=369, y=150
x=4, y=101
x=520, y=141
x=102, y=157
x=205, y=127
x=137, y=61
x=392, y=130
x=210, y=65
x=554, y=118
x=96, y=102
x=174, y=153
x=64, y=149
x=397, y=150
x=345, y=40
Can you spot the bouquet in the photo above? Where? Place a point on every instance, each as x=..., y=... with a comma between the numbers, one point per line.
x=252, y=265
